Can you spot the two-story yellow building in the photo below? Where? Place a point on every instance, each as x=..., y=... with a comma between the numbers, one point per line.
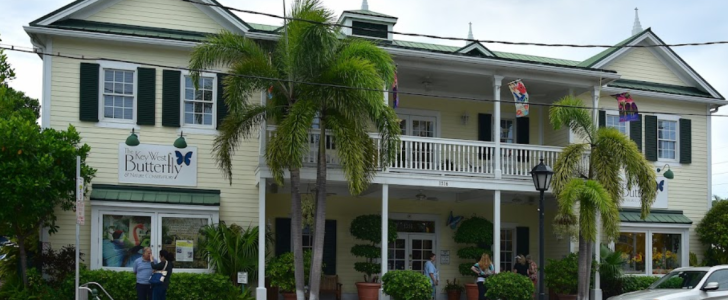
x=121, y=68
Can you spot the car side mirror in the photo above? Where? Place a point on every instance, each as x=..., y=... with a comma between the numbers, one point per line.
x=711, y=286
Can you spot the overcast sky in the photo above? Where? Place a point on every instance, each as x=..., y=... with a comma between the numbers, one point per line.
x=553, y=21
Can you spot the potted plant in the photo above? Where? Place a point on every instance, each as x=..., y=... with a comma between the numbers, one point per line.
x=369, y=228
x=453, y=289
x=562, y=276
x=280, y=271
x=477, y=233
x=509, y=286
x=406, y=285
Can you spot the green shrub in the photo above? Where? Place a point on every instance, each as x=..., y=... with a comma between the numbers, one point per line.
x=509, y=286
x=369, y=228
x=478, y=233
x=406, y=285
x=562, y=276
x=280, y=270
x=37, y=289
x=712, y=231
x=637, y=283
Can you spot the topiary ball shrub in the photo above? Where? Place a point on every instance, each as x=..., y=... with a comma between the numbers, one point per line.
x=509, y=286
x=478, y=233
x=406, y=285
x=368, y=228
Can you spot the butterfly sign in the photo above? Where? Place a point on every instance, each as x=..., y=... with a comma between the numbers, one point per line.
x=520, y=95
x=628, y=111
x=661, y=185
x=183, y=158
x=453, y=221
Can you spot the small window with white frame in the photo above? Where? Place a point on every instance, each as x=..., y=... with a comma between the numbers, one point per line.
x=613, y=122
x=118, y=92
x=667, y=134
x=198, y=105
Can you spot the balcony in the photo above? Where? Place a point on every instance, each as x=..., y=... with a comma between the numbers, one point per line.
x=448, y=157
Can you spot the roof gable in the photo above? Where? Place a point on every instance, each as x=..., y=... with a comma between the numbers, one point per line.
x=87, y=9
x=475, y=48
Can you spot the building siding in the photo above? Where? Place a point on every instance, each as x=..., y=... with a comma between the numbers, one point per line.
x=642, y=64
x=239, y=201
x=170, y=14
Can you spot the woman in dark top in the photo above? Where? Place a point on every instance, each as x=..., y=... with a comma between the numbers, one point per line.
x=521, y=267
x=159, y=291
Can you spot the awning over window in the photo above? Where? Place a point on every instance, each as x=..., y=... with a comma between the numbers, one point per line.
x=655, y=216
x=102, y=192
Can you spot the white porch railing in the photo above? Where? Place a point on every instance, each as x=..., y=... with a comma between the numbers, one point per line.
x=449, y=156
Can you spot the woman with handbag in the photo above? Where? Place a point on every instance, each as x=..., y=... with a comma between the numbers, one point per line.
x=162, y=275
x=483, y=268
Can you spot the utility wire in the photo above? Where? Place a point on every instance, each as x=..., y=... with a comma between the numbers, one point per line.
x=450, y=97
x=456, y=38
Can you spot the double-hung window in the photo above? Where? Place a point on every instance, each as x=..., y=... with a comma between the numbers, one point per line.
x=198, y=105
x=508, y=131
x=667, y=139
x=613, y=121
x=118, y=94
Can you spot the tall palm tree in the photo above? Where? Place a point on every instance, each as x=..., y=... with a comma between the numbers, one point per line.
x=598, y=187
x=347, y=101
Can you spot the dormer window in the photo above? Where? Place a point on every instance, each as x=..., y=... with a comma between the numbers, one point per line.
x=369, y=29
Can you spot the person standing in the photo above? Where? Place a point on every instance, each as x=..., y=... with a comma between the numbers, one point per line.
x=521, y=266
x=143, y=270
x=483, y=268
x=159, y=291
x=431, y=272
x=532, y=273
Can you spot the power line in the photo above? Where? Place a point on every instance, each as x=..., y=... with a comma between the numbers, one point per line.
x=456, y=38
x=720, y=184
x=449, y=97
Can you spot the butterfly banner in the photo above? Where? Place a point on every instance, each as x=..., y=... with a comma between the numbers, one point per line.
x=520, y=95
x=157, y=164
x=628, y=111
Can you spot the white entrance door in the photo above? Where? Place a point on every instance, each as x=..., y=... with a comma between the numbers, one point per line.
x=418, y=154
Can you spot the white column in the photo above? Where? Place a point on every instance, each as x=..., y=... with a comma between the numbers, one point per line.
x=597, y=292
x=386, y=95
x=385, y=233
x=496, y=230
x=260, y=292
x=263, y=134
x=496, y=123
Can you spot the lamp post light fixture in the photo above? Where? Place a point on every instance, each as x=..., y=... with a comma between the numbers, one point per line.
x=180, y=142
x=541, y=175
x=668, y=174
x=133, y=139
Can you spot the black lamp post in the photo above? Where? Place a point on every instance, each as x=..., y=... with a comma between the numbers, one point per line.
x=541, y=175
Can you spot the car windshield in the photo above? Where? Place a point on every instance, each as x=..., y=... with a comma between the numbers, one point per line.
x=679, y=280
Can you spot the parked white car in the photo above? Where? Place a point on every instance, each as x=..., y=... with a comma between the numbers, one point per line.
x=685, y=284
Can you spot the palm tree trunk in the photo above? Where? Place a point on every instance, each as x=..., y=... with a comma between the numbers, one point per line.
x=584, y=270
x=320, y=216
x=297, y=233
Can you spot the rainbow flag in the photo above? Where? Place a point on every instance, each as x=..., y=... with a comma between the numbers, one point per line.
x=521, y=97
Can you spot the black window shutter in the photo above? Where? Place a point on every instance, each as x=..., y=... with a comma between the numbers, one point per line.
x=222, y=108
x=171, y=98
x=146, y=95
x=522, y=131
x=88, y=108
x=635, y=132
x=522, y=239
x=329, y=258
x=651, y=138
x=485, y=131
x=602, y=118
x=686, y=142
x=283, y=236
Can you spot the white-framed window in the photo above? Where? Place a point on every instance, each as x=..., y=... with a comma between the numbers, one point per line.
x=508, y=249
x=652, y=251
x=667, y=136
x=508, y=131
x=613, y=122
x=120, y=231
x=199, y=105
x=118, y=91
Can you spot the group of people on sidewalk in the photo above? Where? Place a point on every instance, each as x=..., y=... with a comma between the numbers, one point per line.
x=483, y=268
x=145, y=267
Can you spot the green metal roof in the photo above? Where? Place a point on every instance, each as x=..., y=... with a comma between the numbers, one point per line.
x=539, y=59
x=369, y=13
x=264, y=27
x=659, y=87
x=655, y=216
x=102, y=192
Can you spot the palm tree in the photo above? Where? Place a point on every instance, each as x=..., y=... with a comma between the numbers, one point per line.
x=346, y=100
x=598, y=187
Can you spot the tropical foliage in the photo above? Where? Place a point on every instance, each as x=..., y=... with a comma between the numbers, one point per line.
x=280, y=271
x=345, y=98
x=368, y=228
x=406, y=285
x=477, y=233
x=713, y=233
x=510, y=286
x=231, y=249
x=614, y=161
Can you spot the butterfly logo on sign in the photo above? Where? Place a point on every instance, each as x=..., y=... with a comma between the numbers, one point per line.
x=661, y=186
x=183, y=158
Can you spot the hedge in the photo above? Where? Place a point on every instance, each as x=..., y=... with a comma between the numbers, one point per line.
x=637, y=283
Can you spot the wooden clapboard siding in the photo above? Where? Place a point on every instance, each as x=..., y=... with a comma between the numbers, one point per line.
x=170, y=14
x=643, y=64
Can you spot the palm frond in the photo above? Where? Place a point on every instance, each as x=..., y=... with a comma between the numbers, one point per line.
x=567, y=166
x=568, y=112
x=239, y=124
x=290, y=143
x=357, y=151
x=223, y=50
x=364, y=49
x=591, y=196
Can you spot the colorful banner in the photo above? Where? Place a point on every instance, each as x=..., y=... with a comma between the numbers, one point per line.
x=520, y=95
x=628, y=111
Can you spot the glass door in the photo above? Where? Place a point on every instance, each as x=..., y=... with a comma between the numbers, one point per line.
x=397, y=260
x=417, y=154
x=421, y=245
x=507, y=249
x=180, y=235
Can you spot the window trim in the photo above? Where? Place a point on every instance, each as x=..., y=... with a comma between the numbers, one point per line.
x=515, y=130
x=183, y=124
x=113, y=122
x=675, y=119
x=616, y=113
x=648, y=230
x=409, y=112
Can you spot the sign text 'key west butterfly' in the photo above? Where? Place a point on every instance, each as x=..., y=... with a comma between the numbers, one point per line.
x=157, y=165
x=632, y=197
